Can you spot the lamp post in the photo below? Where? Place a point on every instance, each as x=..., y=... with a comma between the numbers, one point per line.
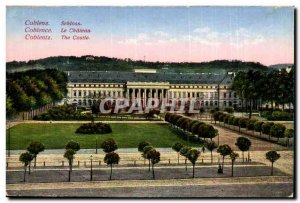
x=96, y=146
x=91, y=178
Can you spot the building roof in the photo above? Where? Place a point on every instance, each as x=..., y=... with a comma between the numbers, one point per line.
x=123, y=77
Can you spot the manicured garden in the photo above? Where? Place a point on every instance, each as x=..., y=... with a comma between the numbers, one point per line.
x=55, y=136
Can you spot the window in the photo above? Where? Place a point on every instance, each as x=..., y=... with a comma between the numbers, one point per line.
x=224, y=95
x=79, y=93
x=74, y=94
x=229, y=94
x=234, y=95
x=216, y=103
x=224, y=103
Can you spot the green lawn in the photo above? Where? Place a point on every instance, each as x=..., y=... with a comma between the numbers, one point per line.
x=55, y=136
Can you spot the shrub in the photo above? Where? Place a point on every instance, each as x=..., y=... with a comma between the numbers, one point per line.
x=231, y=120
x=243, y=122
x=277, y=130
x=258, y=126
x=226, y=119
x=289, y=133
x=94, y=128
x=216, y=115
x=266, y=127
x=221, y=117
x=250, y=124
x=282, y=116
x=277, y=115
x=267, y=115
x=229, y=109
x=236, y=121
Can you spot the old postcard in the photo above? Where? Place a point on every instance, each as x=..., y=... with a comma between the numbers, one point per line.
x=150, y=102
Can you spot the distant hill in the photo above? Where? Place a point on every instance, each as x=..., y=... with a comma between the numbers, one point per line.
x=280, y=66
x=102, y=63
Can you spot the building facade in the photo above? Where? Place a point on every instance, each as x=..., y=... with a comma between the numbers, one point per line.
x=209, y=90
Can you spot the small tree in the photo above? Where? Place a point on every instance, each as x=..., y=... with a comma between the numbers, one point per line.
x=250, y=124
x=289, y=133
x=266, y=127
x=177, y=147
x=35, y=148
x=243, y=122
x=183, y=152
x=258, y=126
x=73, y=145
x=193, y=155
x=224, y=151
x=142, y=145
x=145, y=153
x=25, y=158
x=154, y=156
x=109, y=145
x=243, y=144
x=110, y=159
x=277, y=130
x=272, y=156
x=211, y=146
x=69, y=154
x=229, y=109
x=233, y=157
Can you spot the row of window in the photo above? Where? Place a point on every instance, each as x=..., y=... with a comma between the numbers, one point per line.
x=206, y=103
x=229, y=95
x=98, y=85
x=173, y=86
x=196, y=87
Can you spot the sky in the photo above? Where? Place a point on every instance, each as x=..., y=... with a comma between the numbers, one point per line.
x=169, y=34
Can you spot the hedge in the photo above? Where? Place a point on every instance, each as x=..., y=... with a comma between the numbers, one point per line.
x=94, y=128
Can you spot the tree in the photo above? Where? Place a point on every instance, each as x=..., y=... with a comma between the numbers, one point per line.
x=272, y=156
x=224, y=150
x=142, y=145
x=211, y=146
x=289, y=133
x=73, y=145
x=35, y=148
x=109, y=145
x=243, y=144
x=183, y=152
x=110, y=159
x=25, y=158
x=69, y=154
x=266, y=127
x=277, y=130
x=177, y=147
x=192, y=156
x=145, y=153
x=258, y=126
x=233, y=157
x=208, y=131
x=154, y=156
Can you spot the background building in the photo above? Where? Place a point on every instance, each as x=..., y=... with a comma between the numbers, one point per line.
x=210, y=90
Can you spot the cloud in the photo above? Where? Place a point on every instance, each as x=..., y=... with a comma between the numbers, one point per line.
x=161, y=34
x=201, y=30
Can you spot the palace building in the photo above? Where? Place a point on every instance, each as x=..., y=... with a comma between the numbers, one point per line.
x=210, y=90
